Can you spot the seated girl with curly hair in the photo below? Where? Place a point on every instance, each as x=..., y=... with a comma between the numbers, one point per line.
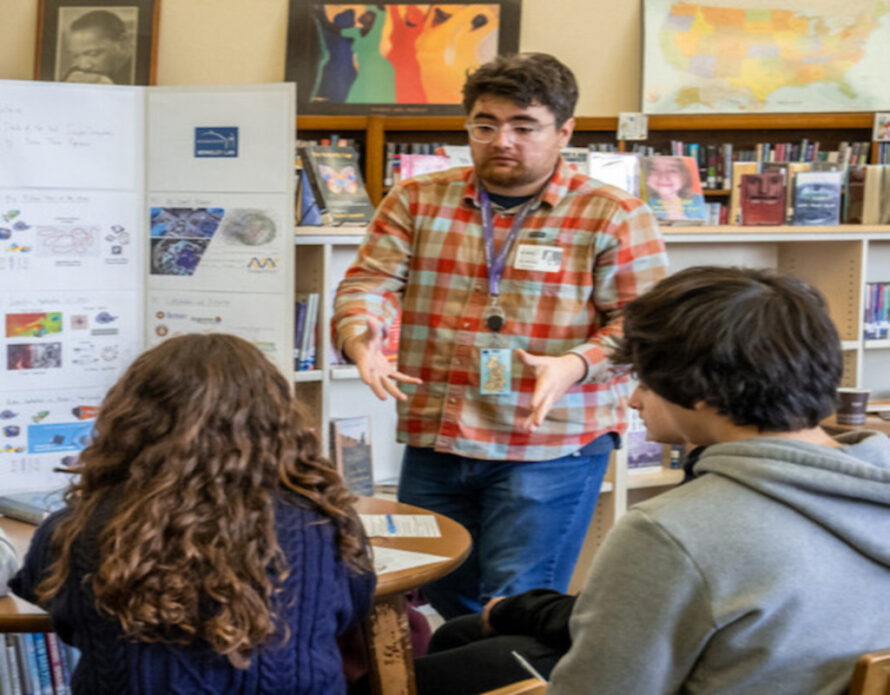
x=206, y=547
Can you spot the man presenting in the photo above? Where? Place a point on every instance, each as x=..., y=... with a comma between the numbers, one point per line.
x=509, y=276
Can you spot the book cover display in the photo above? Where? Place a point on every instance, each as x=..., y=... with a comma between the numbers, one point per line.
x=617, y=169
x=351, y=447
x=763, y=199
x=817, y=198
x=672, y=188
x=337, y=183
x=123, y=229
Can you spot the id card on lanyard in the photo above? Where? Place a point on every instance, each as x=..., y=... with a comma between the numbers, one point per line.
x=495, y=362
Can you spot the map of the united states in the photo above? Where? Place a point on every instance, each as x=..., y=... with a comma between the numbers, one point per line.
x=703, y=58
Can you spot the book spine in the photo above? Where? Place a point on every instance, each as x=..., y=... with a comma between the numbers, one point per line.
x=299, y=324
x=44, y=670
x=28, y=662
x=55, y=663
x=5, y=677
x=15, y=677
x=66, y=668
x=307, y=358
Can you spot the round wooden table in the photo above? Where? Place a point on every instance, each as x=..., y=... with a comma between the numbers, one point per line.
x=386, y=631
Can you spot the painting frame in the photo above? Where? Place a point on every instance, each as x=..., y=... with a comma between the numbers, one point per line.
x=132, y=60
x=304, y=61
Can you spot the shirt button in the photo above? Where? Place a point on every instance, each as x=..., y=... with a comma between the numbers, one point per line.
x=467, y=324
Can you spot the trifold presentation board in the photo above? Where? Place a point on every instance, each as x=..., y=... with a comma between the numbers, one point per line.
x=129, y=215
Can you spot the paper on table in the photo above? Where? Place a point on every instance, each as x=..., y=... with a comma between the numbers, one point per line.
x=403, y=525
x=393, y=559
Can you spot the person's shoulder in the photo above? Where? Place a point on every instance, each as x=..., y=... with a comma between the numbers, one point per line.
x=456, y=176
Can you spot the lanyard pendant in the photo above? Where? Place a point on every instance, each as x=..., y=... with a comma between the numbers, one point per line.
x=495, y=318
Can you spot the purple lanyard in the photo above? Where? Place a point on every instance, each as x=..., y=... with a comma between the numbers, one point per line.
x=496, y=262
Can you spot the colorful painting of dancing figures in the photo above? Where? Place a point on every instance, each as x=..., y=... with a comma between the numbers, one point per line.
x=394, y=57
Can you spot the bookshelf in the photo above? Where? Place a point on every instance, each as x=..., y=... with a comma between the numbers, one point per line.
x=739, y=129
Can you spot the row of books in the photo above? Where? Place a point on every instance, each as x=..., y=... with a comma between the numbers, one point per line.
x=815, y=193
x=715, y=162
x=305, y=334
x=407, y=159
x=883, y=153
x=761, y=193
x=877, y=311
x=36, y=664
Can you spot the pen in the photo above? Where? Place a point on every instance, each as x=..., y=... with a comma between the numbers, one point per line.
x=390, y=524
x=527, y=666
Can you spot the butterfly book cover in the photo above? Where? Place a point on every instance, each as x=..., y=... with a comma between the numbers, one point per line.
x=336, y=180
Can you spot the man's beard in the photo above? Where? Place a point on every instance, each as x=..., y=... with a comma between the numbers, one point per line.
x=506, y=177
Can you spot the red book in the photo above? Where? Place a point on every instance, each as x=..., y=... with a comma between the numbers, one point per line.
x=763, y=199
x=55, y=663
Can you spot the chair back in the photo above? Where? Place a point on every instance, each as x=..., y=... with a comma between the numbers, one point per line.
x=871, y=675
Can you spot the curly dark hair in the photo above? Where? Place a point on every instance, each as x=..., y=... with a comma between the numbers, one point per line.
x=192, y=445
x=757, y=346
x=524, y=79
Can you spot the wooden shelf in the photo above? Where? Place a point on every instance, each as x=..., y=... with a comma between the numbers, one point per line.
x=739, y=233
x=307, y=375
x=331, y=123
x=659, y=477
x=344, y=372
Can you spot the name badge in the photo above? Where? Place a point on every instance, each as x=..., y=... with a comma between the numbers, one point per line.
x=547, y=259
x=494, y=371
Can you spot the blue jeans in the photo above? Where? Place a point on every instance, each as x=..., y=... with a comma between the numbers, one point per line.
x=527, y=518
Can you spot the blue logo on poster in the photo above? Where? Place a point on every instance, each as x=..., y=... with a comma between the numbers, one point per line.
x=216, y=142
x=55, y=437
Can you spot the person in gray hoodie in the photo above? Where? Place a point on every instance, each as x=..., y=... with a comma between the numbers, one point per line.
x=770, y=572
x=766, y=572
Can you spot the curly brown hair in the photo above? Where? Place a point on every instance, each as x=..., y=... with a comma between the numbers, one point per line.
x=192, y=445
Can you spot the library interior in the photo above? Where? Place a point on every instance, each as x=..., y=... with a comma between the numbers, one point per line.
x=510, y=346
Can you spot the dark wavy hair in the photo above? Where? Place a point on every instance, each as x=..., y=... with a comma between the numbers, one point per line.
x=525, y=78
x=191, y=447
x=757, y=346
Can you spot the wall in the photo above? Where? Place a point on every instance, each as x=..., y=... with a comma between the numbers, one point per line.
x=243, y=41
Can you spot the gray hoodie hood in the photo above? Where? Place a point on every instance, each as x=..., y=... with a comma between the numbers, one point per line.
x=845, y=490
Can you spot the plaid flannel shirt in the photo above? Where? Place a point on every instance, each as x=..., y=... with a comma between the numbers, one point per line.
x=423, y=254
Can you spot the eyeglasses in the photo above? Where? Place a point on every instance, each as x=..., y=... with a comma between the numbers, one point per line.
x=522, y=132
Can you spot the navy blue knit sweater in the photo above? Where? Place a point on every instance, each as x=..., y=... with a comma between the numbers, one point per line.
x=321, y=598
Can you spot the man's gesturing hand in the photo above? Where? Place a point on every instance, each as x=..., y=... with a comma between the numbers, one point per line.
x=553, y=377
x=366, y=351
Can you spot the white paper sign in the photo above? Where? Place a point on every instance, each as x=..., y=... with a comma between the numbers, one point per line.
x=70, y=136
x=82, y=244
